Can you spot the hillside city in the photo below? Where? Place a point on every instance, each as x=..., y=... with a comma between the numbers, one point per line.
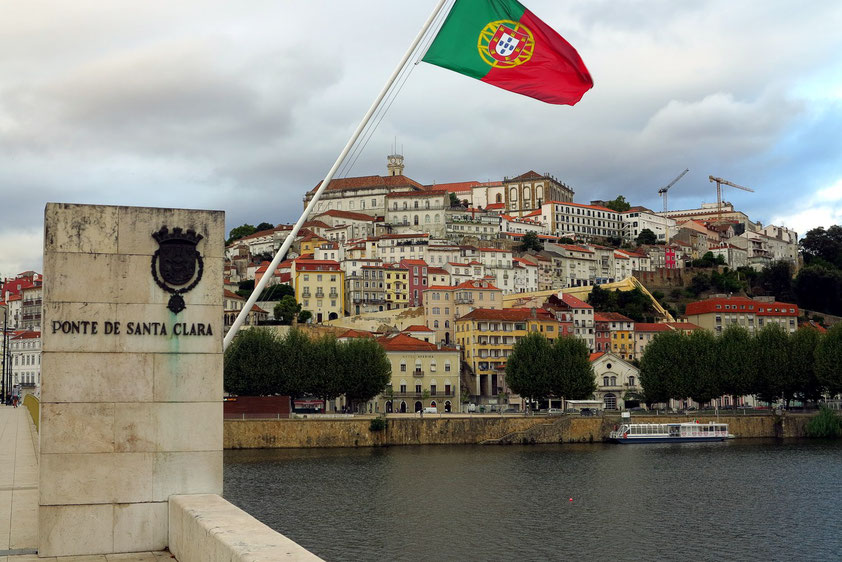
x=448, y=277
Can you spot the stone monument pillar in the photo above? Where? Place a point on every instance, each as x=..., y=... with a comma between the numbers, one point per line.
x=131, y=395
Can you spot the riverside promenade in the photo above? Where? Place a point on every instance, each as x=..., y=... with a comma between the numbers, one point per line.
x=19, y=496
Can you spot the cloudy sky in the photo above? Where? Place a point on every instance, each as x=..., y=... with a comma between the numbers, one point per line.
x=243, y=106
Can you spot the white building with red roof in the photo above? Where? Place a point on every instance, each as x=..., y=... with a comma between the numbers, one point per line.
x=617, y=381
x=717, y=313
x=580, y=221
x=417, y=211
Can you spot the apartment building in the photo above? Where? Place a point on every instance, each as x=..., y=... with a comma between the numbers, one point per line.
x=444, y=304
x=715, y=314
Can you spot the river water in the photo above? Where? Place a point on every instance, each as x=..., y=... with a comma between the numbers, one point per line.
x=737, y=500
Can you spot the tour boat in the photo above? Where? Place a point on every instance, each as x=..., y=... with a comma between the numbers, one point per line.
x=670, y=432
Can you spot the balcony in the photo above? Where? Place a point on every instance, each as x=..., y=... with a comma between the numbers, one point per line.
x=417, y=373
x=463, y=299
x=305, y=294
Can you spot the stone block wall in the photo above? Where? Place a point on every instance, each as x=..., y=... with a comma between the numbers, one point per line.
x=131, y=397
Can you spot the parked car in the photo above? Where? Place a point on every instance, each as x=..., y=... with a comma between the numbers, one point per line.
x=510, y=411
x=554, y=412
x=587, y=412
x=431, y=410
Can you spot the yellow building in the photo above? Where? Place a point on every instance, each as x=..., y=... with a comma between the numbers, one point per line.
x=444, y=304
x=487, y=336
x=424, y=375
x=309, y=243
x=319, y=288
x=621, y=330
x=397, y=287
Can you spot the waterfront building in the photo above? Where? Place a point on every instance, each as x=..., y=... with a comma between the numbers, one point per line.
x=487, y=337
x=715, y=314
x=581, y=313
x=617, y=381
x=233, y=304
x=424, y=374
x=644, y=333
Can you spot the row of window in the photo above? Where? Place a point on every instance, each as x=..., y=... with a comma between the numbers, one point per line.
x=432, y=366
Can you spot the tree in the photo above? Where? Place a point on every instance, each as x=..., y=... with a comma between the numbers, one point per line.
x=529, y=367
x=320, y=376
x=819, y=246
x=573, y=376
x=698, y=362
x=803, y=381
x=601, y=300
x=304, y=316
x=776, y=280
x=240, y=232
x=530, y=242
x=363, y=369
x=250, y=363
x=287, y=309
x=829, y=360
x=818, y=288
x=735, y=362
x=264, y=226
x=771, y=362
x=658, y=374
x=297, y=357
x=619, y=204
x=454, y=200
x=646, y=236
x=699, y=284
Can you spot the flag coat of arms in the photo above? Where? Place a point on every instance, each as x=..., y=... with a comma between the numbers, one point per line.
x=503, y=44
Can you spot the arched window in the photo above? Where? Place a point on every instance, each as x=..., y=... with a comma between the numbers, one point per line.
x=427, y=204
x=526, y=194
x=447, y=367
x=499, y=198
x=435, y=323
x=613, y=381
x=513, y=194
x=436, y=220
x=405, y=206
x=539, y=193
x=405, y=219
x=605, y=381
x=403, y=365
x=433, y=367
x=426, y=219
x=415, y=220
x=631, y=380
x=395, y=206
x=417, y=364
x=415, y=204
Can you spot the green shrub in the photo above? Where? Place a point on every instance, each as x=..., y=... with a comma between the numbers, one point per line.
x=377, y=424
x=825, y=425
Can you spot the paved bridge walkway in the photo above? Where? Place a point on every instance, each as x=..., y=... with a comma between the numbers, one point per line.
x=19, y=496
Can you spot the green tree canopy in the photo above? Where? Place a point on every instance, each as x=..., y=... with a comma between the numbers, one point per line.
x=573, y=375
x=698, y=366
x=619, y=204
x=820, y=245
x=819, y=288
x=659, y=376
x=454, y=200
x=240, y=232
x=363, y=369
x=320, y=378
x=735, y=362
x=803, y=382
x=829, y=360
x=287, y=309
x=264, y=226
x=529, y=367
x=250, y=363
x=530, y=242
x=646, y=236
x=772, y=362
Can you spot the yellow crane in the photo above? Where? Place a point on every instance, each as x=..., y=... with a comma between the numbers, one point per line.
x=719, y=183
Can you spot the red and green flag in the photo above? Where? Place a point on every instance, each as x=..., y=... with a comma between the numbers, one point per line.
x=502, y=43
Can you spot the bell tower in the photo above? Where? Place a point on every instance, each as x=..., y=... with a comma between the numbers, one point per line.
x=394, y=164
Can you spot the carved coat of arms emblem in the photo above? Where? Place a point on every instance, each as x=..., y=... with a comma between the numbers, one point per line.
x=177, y=265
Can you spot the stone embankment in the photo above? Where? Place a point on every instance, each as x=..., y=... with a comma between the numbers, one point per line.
x=475, y=429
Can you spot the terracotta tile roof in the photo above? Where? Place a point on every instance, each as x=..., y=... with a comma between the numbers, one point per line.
x=570, y=300
x=437, y=271
x=347, y=215
x=316, y=224
x=494, y=250
x=610, y=317
x=413, y=262
x=495, y=206
x=27, y=335
x=351, y=333
x=316, y=265
x=509, y=314
x=741, y=305
x=417, y=328
x=415, y=194
x=232, y=295
x=583, y=206
x=595, y=356
x=404, y=342
x=651, y=327
x=478, y=285
x=575, y=248
x=685, y=326
x=368, y=182
x=454, y=187
x=530, y=175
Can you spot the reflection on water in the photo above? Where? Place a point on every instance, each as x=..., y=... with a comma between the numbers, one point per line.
x=746, y=500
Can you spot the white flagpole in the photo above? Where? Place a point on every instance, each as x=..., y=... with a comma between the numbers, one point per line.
x=270, y=271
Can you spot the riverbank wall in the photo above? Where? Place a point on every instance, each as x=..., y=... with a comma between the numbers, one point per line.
x=471, y=430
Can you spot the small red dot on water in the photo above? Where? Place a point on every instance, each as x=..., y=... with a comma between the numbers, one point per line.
x=571, y=499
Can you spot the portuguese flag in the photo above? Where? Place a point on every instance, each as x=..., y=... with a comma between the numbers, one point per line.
x=502, y=43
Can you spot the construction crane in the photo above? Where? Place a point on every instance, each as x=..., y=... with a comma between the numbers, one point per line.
x=663, y=191
x=719, y=183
